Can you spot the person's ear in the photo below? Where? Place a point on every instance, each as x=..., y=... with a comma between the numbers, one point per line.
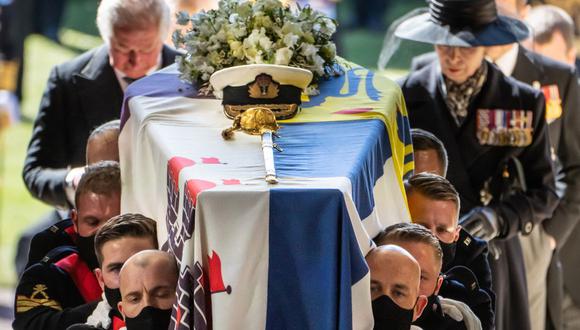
x=74, y=215
x=99, y=276
x=571, y=55
x=438, y=285
x=120, y=308
x=524, y=12
x=456, y=233
x=419, y=307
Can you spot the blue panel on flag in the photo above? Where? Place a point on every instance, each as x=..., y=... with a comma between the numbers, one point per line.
x=356, y=149
x=314, y=259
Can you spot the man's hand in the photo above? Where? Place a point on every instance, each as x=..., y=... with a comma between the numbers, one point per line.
x=482, y=222
x=71, y=182
x=552, y=242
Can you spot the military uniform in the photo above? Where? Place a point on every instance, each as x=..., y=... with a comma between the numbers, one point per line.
x=60, y=234
x=56, y=292
x=474, y=157
x=477, y=290
x=433, y=318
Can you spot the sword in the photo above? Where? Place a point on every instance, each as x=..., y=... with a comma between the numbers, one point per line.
x=259, y=121
x=268, y=147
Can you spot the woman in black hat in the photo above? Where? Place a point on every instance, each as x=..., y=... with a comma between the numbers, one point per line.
x=486, y=122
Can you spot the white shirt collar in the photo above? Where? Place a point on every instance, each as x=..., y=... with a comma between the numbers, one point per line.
x=120, y=75
x=507, y=62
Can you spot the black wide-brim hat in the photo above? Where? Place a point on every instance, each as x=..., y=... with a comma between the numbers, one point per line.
x=463, y=23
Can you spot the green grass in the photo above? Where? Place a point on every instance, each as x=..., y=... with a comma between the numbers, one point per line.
x=18, y=209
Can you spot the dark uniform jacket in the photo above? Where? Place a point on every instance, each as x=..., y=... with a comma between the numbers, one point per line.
x=472, y=252
x=61, y=233
x=433, y=318
x=533, y=68
x=475, y=290
x=471, y=164
x=47, y=297
x=80, y=95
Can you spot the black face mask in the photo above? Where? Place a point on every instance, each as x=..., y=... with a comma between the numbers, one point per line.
x=430, y=315
x=149, y=318
x=113, y=296
x=448, y=254
x=431, y=301
x=390, y=316
x=86, y=247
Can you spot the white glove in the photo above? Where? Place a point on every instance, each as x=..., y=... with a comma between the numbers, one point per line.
x=460, y=312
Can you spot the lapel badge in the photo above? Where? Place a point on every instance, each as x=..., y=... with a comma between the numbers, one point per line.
x=553, y=102
x=496, y=127
x=467, y=241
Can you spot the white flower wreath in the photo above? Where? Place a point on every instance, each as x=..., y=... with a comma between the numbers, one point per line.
x=242, y=32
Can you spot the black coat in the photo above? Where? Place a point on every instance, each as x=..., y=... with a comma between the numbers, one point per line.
x=472, y=253
x=46, y=297
x=471, y=164
x=42, y=243
x=535, y=69
x=80, y=95
x=433, y=318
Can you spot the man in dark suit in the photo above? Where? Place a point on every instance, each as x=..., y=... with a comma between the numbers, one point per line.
x=88, y=91
x=485, y=120
x=554, y=38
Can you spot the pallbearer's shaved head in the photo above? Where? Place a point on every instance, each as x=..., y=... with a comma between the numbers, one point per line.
x=148, y=278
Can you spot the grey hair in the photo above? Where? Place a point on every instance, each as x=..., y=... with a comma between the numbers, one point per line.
x=132, y=15
x=546, y=20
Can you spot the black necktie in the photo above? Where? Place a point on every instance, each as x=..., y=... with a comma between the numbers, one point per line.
x=129, y=81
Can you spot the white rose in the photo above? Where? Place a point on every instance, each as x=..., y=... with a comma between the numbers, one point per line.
x=252, y=39
x=265, y=43
x=283, y=56
x=327, y=27
x=290, y=40
x=256, y=58
x=294, y=28
x=317, y=65
x=308, y=50
x=233, y=18
x=204, y=67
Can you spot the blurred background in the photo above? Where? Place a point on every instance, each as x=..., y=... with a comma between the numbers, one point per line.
x=53, y=31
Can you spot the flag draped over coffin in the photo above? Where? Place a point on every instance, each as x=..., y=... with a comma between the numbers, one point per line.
x=254, y=255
